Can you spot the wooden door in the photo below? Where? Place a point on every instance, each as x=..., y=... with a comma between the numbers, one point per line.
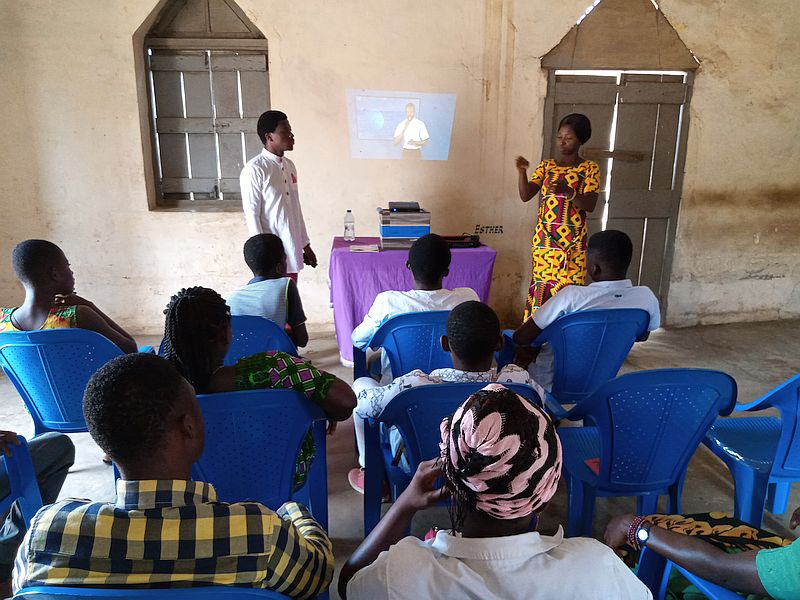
x=639, y=124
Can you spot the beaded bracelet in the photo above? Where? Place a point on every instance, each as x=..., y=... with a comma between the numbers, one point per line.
x=634, y=526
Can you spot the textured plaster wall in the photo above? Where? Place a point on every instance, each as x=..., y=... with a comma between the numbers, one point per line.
x=74, y=170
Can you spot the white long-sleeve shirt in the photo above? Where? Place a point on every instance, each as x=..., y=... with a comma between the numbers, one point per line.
x=271, y=204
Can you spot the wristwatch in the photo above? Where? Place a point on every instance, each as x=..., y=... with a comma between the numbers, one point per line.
x=643, y=533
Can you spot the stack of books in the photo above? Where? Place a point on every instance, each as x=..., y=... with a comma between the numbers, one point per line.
x=399, y=228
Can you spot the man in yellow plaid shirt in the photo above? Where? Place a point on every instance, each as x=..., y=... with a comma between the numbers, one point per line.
x=165, y=530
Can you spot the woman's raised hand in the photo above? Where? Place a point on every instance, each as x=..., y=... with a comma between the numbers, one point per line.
x=522, y=163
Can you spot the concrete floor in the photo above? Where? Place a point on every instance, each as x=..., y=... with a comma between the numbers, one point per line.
x=758, y=355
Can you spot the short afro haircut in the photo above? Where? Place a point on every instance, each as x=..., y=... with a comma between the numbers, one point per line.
x=33, y=260
x=263, y=253
x=612, y=248
x=580, y=124
x=268, y=122
x=128, y=402
x=473, y=331
x=429, y=258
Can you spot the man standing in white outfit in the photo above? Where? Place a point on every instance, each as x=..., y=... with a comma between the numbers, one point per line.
x=269, y=193
x=412, y=133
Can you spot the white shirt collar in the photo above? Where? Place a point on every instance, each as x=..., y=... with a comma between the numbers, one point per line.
x=619, y=283
x=450, y=374
x=523, y=545
x=271, y=156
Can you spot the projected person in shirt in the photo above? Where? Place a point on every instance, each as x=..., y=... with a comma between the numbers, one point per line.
x=411, y=133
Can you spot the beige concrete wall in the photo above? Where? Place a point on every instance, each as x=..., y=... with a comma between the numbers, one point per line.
x=74, y=171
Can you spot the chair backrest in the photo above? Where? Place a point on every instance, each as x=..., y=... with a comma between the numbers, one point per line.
x=417, y=413
x=252, y=439
x=589, y=347
x=651, y=422
x=786, y=398
x=221, y=592
x=251, y=335
x=21, y=475
x=50, y=369
x=412, y=341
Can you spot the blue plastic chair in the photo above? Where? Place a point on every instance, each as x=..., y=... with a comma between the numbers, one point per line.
x=23, y=487
x=50, y=369
x=589, y=347
x=251, y=335
x=218, y=592
x=762, y=453
x=653, y=570
x=252, y=439
x=411, y=341
x=644, y=427
x=417, y=413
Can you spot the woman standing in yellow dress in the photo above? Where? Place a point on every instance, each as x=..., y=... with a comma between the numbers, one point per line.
x=569, y=187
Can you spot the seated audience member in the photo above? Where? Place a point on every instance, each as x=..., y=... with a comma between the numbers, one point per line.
x=50, y=299
x=197, y=335
x=501, y=463
x=52, y=454
x=607, y=260
x=270, y=293
x=473, y=336
x=164, y=529
x=429, y=262
x=717, y=548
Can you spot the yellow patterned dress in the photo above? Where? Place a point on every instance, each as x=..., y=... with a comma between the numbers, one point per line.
x=59, y=318
x=558, y=250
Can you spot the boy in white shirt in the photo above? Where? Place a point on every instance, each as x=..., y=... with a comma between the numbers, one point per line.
x=607, y=260
x=429, y=262
x=473, y=336
x=501, y=463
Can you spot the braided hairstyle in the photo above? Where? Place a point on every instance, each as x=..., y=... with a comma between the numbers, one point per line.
x=194, y=316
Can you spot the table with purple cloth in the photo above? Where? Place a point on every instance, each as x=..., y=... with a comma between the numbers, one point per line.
x=358, y=277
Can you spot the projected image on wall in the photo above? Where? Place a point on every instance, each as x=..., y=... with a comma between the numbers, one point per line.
x=400, y=125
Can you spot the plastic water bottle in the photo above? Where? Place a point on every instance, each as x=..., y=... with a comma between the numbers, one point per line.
x=349, y=226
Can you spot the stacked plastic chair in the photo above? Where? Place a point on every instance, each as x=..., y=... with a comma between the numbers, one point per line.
x=252, y=439
x=50, y=370
x=641, y=430
x=653, y=571
x=411, y=341
x=762, y=453
x=589, y=347
x=417, y=413
x=23, y=488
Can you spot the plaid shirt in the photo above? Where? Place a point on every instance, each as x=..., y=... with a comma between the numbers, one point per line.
x=174, y=533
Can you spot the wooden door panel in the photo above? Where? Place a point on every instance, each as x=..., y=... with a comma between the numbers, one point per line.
x=636, y=129
x=652, y=262
x=669, y=120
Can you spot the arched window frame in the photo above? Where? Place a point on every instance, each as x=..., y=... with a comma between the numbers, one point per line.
x=203, y=79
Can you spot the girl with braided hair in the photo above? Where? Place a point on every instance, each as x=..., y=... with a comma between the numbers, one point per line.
x=197, y=335
x=501, y=463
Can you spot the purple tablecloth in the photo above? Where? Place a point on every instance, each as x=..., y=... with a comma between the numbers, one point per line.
x=357, y=277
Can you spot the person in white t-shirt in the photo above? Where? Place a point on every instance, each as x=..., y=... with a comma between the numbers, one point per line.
x=270, y=199
x=429, y=262
x=607, y=260
x=270, y=294
x=501, y=463
x=411, y=133
x=473, y=336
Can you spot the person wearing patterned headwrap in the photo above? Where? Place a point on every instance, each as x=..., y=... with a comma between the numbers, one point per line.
x=501, y=463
